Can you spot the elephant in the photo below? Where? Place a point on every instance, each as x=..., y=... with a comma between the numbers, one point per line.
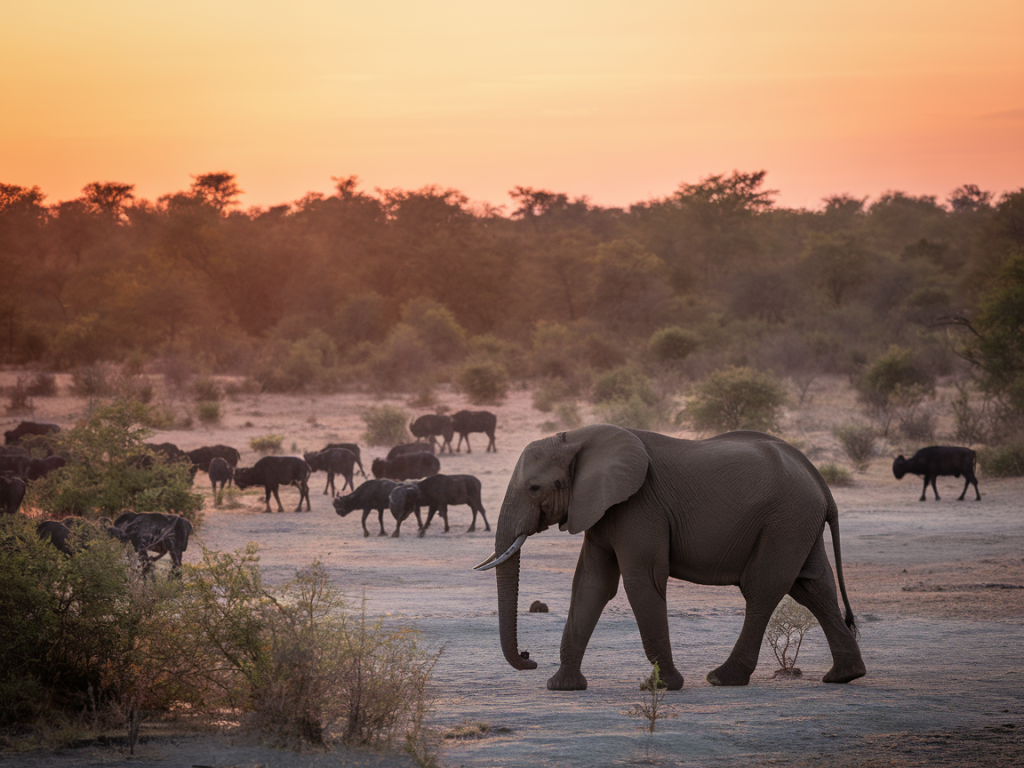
x=743, y=508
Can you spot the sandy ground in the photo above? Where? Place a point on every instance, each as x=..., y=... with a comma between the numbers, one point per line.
x=938, y=588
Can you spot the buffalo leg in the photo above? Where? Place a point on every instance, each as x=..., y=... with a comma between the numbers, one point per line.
x=277, y=498
x=366, y=514
x=380, y=519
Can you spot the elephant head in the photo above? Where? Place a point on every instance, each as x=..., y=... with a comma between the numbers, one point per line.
x=570, y=480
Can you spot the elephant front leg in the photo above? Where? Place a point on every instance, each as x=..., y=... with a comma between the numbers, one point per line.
x=647, y=599
x=595, y=583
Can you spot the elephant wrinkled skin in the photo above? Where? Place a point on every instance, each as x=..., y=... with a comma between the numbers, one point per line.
x=743, y=509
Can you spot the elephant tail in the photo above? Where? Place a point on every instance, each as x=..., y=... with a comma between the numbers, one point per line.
x=832, y=518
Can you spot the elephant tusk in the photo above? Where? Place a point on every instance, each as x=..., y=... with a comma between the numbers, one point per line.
x=493, y=561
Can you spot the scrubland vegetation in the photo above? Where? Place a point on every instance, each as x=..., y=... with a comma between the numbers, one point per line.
x=693, y=308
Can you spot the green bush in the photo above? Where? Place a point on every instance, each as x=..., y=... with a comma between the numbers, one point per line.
x=89, y=637
x=386, y=425
x=208, y=412
x=266, y=444
x=484, y=382
x=402, y=363
x=623, y=384
x=858, y=440
x=553, y=391
x=633, y=413
x=836, y=476
x=110, y=469
x=206, y=390
x=672, y=344
x=1004, y=460
x=735, y=398
x=895, y=376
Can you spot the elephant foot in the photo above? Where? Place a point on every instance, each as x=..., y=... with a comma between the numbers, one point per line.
x=727, y=674
x=672, y=680
x=845, y=670
x=567, y=679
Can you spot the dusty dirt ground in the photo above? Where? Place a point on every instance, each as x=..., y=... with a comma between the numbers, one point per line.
x=937, y=586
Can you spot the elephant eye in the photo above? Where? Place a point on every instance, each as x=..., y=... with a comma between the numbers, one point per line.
x=534, y=488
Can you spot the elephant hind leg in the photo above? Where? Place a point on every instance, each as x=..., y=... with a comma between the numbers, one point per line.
x=815, y=589
x=763, y=585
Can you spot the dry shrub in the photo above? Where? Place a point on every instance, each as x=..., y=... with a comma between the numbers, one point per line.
x=386, y=425
x=785, y=634
x=267, y=444
x=304, y=669
x=484, y=382
x=208, y=412
x=858, y=440
x=835, y=476
x=651, y=707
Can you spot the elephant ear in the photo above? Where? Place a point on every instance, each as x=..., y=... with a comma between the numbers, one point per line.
x=610, y=466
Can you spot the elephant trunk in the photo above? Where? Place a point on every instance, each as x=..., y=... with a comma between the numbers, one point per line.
x=508, y=608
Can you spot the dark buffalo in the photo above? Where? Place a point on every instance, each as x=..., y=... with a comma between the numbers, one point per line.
x=403, y=501
x=430, y=426
x=169, y=451
x=406, y=448
x=333, y=461
x=465, y=422
x=939, y=460
x=202, y=457
x=15, y=464
x=441, y=490
x=406, y=466
x=74, y=533
x=371, y=495
x=14, y=436
x=349, y=447
x=12, y=491
x=39, y=468
x=274, y=471
x=220, y=472
x=55, y=532
x=155, y=532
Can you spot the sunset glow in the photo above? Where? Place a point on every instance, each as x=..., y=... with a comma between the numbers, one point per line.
x=617, y=101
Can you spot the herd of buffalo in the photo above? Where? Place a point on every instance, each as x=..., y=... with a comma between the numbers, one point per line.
x=404, y=482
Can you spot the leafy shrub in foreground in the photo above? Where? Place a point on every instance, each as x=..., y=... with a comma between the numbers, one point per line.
x=110, y=469
x=735, y=398
x=88, y=636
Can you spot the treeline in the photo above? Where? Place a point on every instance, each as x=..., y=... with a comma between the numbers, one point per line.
x=397, y=288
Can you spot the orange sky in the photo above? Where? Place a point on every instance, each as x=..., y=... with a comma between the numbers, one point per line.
x=620, y=101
